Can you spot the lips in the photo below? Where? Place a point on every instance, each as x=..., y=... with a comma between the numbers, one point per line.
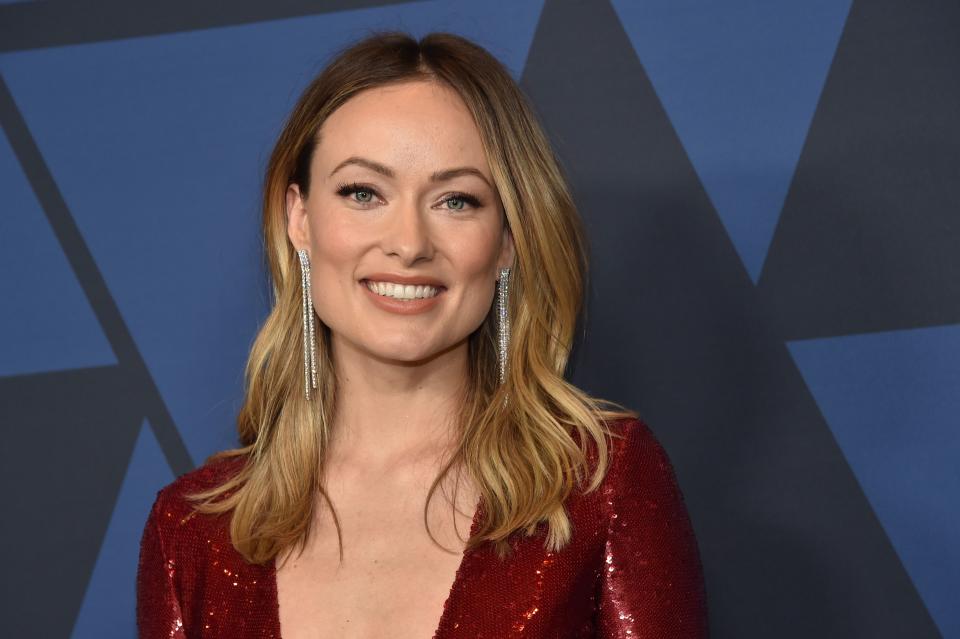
x=402, y=306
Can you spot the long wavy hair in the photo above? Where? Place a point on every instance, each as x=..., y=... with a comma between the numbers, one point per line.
x=524, y=443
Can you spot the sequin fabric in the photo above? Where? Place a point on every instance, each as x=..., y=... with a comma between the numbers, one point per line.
x=632, y=569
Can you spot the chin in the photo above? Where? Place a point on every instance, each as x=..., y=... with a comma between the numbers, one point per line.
x=403, y=346
x=406, y=353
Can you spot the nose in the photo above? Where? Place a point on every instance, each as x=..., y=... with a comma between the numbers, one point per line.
x=407, y=233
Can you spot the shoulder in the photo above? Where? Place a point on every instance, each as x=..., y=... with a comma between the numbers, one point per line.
x=644, y=504
x=652, y=572
x=173, y=512
x=211, y=474
x=635, y=442
x=639, y=492
x=639, y=463
x=186, y=557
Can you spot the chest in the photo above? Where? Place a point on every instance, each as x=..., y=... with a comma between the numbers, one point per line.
x=394, y=589
x=393, y=580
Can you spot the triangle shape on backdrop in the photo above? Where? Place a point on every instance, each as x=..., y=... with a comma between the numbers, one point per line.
x=109, y=604
x=165, y=143
x=47, y=322
x=740, y=82
x=891, y=401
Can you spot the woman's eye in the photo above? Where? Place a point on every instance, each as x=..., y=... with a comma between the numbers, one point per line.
x=364, y=194
x=460, y=200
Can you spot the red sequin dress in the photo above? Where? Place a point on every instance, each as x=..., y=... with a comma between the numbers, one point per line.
x=632, y=568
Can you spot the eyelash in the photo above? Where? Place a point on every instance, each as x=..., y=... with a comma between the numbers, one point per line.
x=343, y=190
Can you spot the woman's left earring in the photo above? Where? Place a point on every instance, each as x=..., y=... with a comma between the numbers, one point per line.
x=309, y=337
x=503, y=322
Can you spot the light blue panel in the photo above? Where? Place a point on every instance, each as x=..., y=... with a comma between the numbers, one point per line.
x=740, y=81
x=893, y=402
x=46, y=322
x=159, y=145
x=109, y=604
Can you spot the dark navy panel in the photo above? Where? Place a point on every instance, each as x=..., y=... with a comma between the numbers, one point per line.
x=68, y=439
x=869, y=239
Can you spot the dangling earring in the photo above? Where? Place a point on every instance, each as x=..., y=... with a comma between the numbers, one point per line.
x=309, y=340
x=503, y=321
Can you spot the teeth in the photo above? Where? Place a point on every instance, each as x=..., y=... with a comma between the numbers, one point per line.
x=401, y=292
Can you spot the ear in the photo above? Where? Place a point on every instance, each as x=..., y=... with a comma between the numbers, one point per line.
x=298, y=225
x=508, y=251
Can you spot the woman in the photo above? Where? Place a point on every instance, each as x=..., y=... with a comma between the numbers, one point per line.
x=428, y=266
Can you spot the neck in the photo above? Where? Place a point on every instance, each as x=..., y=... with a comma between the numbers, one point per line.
x=389, y=411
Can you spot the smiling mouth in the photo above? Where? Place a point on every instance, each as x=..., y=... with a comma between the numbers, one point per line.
x=403, y=292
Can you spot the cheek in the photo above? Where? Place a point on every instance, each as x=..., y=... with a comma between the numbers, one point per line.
x=335, y=250
x=476, y=253
x=333, y=239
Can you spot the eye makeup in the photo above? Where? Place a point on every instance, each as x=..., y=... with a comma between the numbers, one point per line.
x=345, y=189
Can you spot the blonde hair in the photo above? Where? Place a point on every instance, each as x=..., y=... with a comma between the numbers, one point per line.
x=521, y=452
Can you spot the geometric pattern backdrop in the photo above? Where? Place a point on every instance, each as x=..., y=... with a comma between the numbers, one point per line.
x=771, y=192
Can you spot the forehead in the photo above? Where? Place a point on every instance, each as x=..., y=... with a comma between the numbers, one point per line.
x=408, y=125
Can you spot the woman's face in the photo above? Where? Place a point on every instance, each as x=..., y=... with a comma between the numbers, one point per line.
x=401, y=193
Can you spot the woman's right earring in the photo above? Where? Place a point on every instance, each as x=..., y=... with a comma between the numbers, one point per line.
x=309, y=338
x=503, y=321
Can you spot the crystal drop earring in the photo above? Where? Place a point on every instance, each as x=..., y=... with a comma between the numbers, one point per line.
x=309, y=338
x=503, y=321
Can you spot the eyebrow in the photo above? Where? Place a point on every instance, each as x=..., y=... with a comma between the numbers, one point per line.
x=437, y=176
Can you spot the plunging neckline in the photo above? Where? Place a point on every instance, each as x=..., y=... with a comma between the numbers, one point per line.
x=445, y=612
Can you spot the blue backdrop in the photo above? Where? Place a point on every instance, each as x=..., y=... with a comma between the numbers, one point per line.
x=771, y=190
